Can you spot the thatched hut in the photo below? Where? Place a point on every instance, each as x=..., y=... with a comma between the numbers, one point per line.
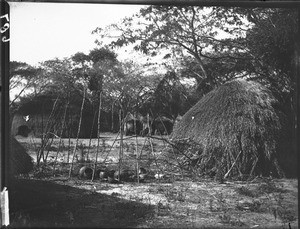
x=29, y=124
x=20, y=126
x=232, y=131
x=19, y=161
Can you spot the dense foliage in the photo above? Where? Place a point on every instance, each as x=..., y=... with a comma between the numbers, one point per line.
x=214, y=45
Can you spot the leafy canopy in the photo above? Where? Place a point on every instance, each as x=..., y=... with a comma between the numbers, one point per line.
x=183, y=31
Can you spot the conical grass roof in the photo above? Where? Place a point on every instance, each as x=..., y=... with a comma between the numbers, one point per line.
x=236, y=128
x=19, y=161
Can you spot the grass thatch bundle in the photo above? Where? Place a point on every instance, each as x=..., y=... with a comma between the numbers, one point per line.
x=232, y=131
x=19, y=161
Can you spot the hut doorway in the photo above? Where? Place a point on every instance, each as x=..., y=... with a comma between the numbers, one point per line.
x=23, y=130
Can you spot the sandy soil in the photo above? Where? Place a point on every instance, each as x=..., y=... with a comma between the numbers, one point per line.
x=44, y=200
x=61, y=202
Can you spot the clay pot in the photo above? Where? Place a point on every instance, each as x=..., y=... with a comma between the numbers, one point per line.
x=103, y=174
x=111, y=180
x=159, y=176
x=85, y=173
x=142, y=177
x=142, y=171
x=110, y=177
x=111, y=173
x=125, y=175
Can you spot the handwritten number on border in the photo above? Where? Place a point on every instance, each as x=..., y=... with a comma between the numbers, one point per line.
x=4, y=28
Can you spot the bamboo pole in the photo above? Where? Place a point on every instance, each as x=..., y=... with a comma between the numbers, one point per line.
x=41, y=149
x=136, y=150
x=112, y=145
x=253, y=166
x=60, y=137
x=149, y=135
x=69, y=143
x=121, y=143
x=111, y=148
x=78, y=131
x=98, y=134
x=49, y=144
x=170, y=143
x=44, y=139
x=69, y=146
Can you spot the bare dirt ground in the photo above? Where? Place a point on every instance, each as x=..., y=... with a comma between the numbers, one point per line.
x=44, y=200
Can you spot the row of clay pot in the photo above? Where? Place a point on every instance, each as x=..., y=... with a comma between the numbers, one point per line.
x=112, y=176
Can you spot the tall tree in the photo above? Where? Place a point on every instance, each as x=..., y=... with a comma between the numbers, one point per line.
x=170, y=97
x=133, y=88
x=185, y=30
x=271, y=42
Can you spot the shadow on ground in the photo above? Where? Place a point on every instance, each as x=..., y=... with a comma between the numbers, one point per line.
x=43, y=204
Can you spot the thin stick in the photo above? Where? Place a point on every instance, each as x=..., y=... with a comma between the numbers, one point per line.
x=44, y=139
x=104, y=161
x=173, y=145
x=113, y=143
x=49, y=145
x=155, y=158
x=226, y=175
x=111, y=148
x=253, y=167
x=165, y=128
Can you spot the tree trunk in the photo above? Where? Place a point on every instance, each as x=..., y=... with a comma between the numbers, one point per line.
x=90, y=141
x=112, y=116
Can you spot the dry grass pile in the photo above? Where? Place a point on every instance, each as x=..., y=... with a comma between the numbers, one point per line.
x=232, y=131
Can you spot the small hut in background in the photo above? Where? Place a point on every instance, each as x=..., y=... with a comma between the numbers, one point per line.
x=21, y=125
x=233, y=131
x=29, y=124
x=162, y=125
